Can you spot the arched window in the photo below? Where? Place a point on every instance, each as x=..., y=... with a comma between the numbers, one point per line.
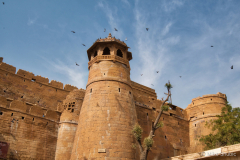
x=119, y=53
x=106, y=51
x=95, y=54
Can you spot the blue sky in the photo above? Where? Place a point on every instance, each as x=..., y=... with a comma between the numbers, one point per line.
x=36, y=36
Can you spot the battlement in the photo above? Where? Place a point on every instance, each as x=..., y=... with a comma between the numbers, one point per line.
x=219, y=94
x=30, y=76
x=56, y=84
x=30, y=109
x=143, y=88
x=69, y=87
x=8, y=67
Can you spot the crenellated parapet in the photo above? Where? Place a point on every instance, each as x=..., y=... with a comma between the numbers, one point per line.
x=7, y=67
x=26, y=75
x=143, y=88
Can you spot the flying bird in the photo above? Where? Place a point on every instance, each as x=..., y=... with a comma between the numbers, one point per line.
x=126, y=39
x=211, y=46
x=147, y=29
x=83, y=44
x=157, y=71
x=3, y=3
x=152, y=84
x=141, y=74
x=180, y=76
x=104, y=29
x=115, y=29
x=73, y=31
x=232, y=67
x=77, y=64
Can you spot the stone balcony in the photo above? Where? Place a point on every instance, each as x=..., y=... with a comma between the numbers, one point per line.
x=113, y=58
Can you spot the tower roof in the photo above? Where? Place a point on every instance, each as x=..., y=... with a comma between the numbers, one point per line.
x=109, y=39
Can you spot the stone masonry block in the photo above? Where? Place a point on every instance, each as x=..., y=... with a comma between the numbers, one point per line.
x=56, y=84
x=25, y=74
x=8, y=67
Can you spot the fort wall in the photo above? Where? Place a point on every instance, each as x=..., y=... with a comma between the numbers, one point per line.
x=25, y=86
x=31, y=130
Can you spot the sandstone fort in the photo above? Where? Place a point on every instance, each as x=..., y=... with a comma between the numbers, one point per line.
x=45, y=120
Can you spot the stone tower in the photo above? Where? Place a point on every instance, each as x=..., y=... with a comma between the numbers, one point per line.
x=108, y=111
x=203, y=109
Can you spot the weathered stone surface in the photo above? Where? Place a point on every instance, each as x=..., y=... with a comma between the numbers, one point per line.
x=41, y=120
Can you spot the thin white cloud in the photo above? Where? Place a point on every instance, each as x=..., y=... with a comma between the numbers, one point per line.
x=170, y=5
x=112, y=18
x=126, y=2
x=31, y=21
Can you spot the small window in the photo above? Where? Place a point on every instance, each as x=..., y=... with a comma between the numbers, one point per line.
x=118, y=89
x=21, y=96
x=1, y=113
x=103, y=73
x=211, y=98
x=22, y=117
x=33, y=119
x=91, y=90
x=56, y=90
x=33, y=80
x=43, y=115
x=165, y=137
x=73, y=102
x=12, y=114
x=4, y=91
x=147, y=114
x=129, y=92
x=119, y=53
x=163, y=119
x=95, y=54
x=154, y=109
x=178, y=123
x=24, y=80
x=203, y=113
x=69, y=109
x=72, y=110
x=195, y=125
x=171, y=114
x=106, y=51
x=193, y=103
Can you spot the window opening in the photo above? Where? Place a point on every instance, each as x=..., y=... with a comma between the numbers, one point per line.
x=33, y=80
x=195, y=125
x=24, y=80
x=129, y=92
x=106, y=51
x=178, y=123
x=56, y=90
x=154, y=109
x=33, y=119
x=165, y=137
x=118, y=89
x=22, y=117
x=163, y=119
x=12, y=114
x=147, y=114
x=73, y=102
x=72, y=110
x=211, y=98
x=95, y=54
x=43, y=115
x=119, y=53
x=91, y=90
x=21, y=96
x=4, y=91
x=1, y=113
x=103, y=73
x=203, y=113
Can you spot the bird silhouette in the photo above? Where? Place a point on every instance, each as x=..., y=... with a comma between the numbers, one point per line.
x=157, y=71
x=232, y=67
x=115, y=29
x=126, y=39
x=211, y=46
x=3, y=3
x=147, y=29
x=152, y=84
x=77, y=64
x=83, y=44
x=104, y=29
x=72, y=31
x=141, y=74
x=180, y=76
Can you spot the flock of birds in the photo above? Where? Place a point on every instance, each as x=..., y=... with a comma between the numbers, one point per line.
x=125, y=40
x=104, y=31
